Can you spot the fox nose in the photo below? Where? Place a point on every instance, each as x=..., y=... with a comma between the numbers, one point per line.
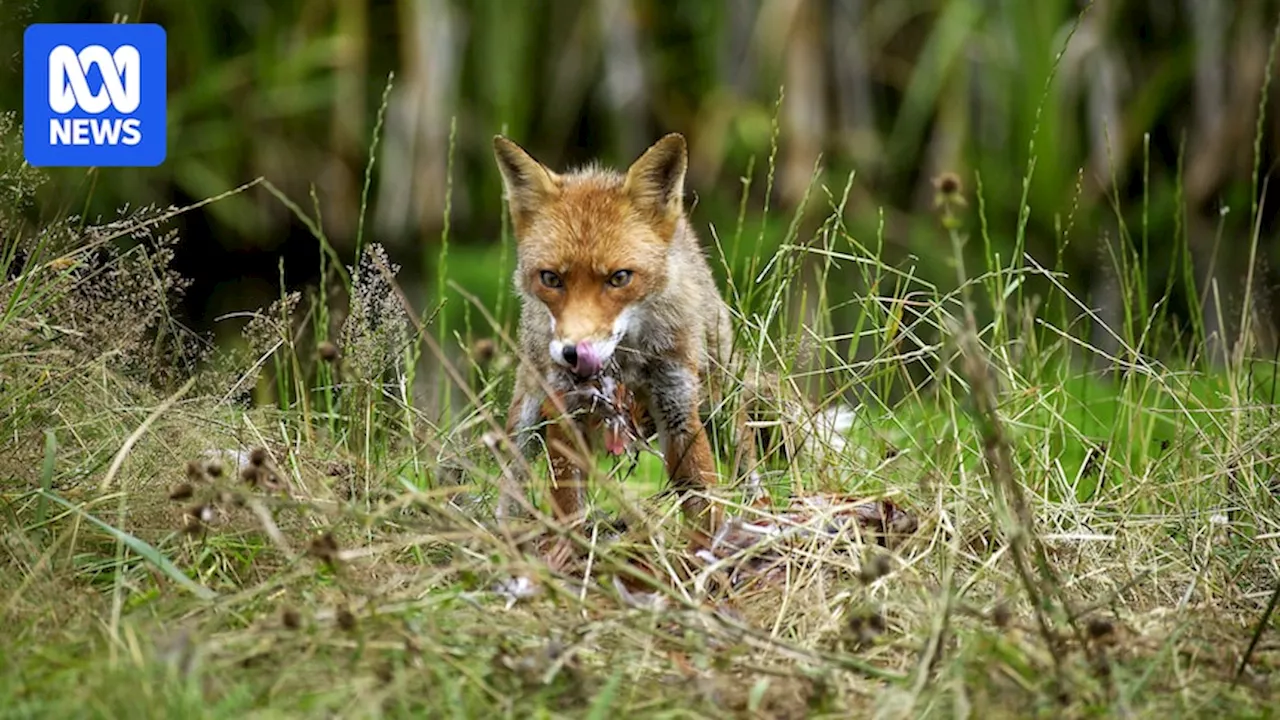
x=584, y=358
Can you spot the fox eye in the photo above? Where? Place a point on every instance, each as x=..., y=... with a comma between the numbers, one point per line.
x=620, y=278
x=551, y=279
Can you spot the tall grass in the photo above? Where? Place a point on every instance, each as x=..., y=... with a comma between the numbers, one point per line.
x=1085, y=542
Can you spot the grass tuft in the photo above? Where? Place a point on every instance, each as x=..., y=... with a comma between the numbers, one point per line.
x=986, y=525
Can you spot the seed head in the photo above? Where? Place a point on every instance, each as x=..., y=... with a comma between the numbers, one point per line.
x=865, y=626
x=258, y=457
x=948, y=197
x=324, y=548
x=948, y=184
x=63, y=263
x=1100, y=628
x=183, y=491
x=328, y=351
x=1000, y=615
x=874, y=568
x=258, y=474
x=484, y=350
x=198, y=517
x=346, y=619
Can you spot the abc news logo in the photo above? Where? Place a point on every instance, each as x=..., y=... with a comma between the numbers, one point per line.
x=94, y=95
x=69, y=89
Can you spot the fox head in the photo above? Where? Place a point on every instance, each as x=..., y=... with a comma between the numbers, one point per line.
x=593, y=245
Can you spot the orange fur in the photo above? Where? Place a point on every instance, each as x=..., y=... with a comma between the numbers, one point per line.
x=609, y=268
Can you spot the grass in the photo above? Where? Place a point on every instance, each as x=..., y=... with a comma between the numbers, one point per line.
x=1087, y=542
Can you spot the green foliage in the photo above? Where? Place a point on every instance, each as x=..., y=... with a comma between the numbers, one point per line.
x=1095, y=510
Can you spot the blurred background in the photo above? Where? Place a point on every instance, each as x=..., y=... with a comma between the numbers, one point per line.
x=895, y=92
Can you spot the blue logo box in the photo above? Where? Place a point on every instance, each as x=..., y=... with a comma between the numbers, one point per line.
x=93, y=95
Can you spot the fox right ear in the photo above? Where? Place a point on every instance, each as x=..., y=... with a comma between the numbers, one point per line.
x=656, y=180
x=528, y=183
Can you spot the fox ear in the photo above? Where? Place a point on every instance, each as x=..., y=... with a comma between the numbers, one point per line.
x=529, y=184
x=655, y=182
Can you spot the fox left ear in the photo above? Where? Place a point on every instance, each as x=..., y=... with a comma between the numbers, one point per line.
x=529, y=184
x=655, y=182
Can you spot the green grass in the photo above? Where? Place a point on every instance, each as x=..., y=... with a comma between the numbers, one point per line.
x=1090, y=541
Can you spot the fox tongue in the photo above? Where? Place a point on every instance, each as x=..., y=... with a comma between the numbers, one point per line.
x=588, y=361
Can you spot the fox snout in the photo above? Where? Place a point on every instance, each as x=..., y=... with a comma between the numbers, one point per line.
x=584, y=358
x=586, y=348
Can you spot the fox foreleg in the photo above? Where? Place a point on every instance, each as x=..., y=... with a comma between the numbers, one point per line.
x=672, y=396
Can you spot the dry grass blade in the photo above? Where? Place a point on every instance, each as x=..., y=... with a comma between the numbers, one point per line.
x=137, y=434
x=1019, y=528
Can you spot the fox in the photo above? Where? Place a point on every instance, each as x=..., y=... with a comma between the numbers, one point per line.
x=613, y=279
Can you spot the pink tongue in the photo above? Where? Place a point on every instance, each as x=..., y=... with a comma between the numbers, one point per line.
x=614, y=442
x=588, y=361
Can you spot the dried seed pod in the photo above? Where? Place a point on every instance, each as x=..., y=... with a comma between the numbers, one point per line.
x=865, y=626
x=260, y=477
x=948, y=183
x=484, y=350
x=198, y=517
x=182, y=491
x=1100, y=628
x=875, y=567
x=325, y=548
x=1000, y=615
x=346, y=619
x=258, y=457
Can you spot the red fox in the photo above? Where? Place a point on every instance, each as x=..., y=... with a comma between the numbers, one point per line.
x=613, y=279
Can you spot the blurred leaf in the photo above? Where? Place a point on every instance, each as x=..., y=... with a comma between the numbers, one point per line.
x=139, y=547
x=945, y=45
